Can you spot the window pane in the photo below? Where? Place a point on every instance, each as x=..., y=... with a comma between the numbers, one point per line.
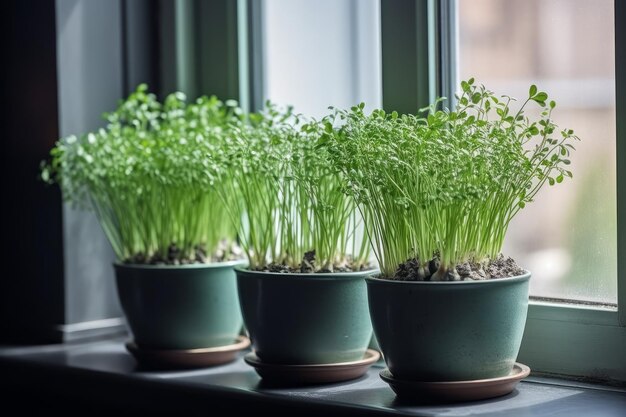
x=322, y=53
x=567, y=237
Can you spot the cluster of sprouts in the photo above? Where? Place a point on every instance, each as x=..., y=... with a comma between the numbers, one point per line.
x=295, y=215
x=443, y=188
x=150, y=177
x=174, y=182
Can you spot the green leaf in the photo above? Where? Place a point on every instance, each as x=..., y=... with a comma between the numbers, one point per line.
x=532, y=91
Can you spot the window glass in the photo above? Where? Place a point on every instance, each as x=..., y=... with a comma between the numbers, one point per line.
x=567, y=238
x=322, y=53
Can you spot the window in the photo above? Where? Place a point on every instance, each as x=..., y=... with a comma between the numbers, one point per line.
x=567, y=238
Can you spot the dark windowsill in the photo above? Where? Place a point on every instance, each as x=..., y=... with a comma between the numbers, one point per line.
x=100, y=376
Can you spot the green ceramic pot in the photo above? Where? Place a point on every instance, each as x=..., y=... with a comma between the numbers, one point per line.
x=180, y=307
x=305, y=318
x=449, y=331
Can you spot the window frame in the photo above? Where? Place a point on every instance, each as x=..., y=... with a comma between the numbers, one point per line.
x=561, y=338
x=620, y=113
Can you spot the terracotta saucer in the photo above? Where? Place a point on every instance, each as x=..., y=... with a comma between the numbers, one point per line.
x=187, y=358
x=478, y=389
x=312, y=374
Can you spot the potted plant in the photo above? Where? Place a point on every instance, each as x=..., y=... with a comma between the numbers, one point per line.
x=437, y=194
x=303, y=293
x=149, y=177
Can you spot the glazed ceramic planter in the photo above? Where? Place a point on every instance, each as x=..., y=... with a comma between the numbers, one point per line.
x=449, y=331
x=180, y=307
x=305, y=318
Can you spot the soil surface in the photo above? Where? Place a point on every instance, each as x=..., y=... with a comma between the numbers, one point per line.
x=309, y=266
x=501, y=267
x=226, y=251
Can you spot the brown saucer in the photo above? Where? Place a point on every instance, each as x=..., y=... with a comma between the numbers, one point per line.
x=478, y=389
x=312, y=374
x=187, y=358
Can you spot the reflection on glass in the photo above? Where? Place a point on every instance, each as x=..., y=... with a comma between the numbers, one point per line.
x=567, y=238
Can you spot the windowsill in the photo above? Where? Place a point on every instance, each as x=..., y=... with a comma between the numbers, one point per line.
x=103, y=372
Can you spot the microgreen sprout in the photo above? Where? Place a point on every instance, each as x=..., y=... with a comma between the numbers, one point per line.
x=442, y=189
x=296, y=217
x=150, y=176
